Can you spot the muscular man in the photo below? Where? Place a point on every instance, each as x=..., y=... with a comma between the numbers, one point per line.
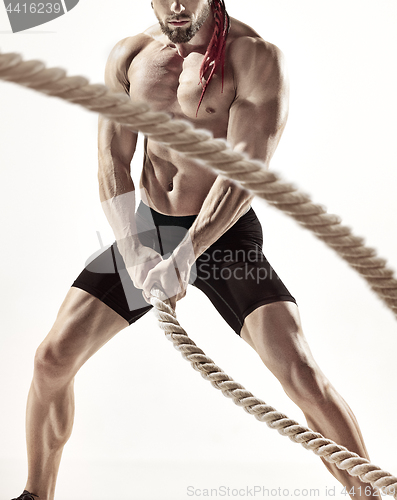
x=191, y=226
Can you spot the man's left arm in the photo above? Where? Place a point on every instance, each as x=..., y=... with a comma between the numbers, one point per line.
x=257, y=118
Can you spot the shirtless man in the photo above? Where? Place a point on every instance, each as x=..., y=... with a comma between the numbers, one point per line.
x=189, y=218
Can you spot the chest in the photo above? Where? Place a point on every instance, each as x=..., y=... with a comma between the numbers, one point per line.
x=161, y=77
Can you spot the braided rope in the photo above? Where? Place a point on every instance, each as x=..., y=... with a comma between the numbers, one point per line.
x=199, y=144
x=214, y=153
x=314, y=441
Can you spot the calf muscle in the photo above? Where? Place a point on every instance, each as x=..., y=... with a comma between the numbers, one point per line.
x=83, y=325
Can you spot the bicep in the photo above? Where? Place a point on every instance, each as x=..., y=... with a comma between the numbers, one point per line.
x=115, y=141
x=256, y=129
x=259, y=113
x=113, y=138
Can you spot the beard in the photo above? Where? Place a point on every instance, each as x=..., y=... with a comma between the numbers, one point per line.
x=182, y=35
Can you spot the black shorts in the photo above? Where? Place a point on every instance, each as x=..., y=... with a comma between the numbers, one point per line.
x=233, y=272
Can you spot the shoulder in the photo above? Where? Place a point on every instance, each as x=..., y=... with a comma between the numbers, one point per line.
x=154, y=32
x=127, y=48
x=120, y=58
x=250, y=55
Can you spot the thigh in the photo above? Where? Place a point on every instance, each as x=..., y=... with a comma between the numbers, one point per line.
x=82, y=326
x=236, y=276
x=274, y=331
x=107, y=279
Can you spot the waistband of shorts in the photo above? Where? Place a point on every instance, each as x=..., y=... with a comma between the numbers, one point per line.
x=165, y=220
x=160, y=219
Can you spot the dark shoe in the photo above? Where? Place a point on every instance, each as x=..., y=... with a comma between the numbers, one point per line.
x=26, y=496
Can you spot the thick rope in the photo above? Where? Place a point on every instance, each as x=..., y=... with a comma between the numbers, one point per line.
x=199, y=144
x=311, y=440
x=214, y=153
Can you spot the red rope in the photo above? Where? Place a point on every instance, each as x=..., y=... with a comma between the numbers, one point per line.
x=215, y=54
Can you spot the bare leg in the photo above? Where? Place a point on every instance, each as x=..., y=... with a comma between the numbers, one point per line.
x=83, y=325
x=275, y=332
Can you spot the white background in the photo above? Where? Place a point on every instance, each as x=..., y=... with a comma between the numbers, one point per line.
x=147, y=426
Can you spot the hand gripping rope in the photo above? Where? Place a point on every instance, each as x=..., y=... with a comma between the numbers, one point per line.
x=216, y=154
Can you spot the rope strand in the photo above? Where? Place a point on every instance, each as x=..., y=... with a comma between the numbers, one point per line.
x=199, y=144
x=309, y=439
x=216, y=154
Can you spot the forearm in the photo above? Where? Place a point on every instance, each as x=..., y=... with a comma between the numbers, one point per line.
x=116, y=148
x=224, y=205
x=117, y=195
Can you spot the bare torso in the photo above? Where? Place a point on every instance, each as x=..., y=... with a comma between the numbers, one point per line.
x=169, y=81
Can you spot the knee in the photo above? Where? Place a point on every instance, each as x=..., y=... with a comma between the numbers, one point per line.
x=51, y=365
x=306, y=385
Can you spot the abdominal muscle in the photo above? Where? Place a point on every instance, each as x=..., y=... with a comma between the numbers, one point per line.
x=174, y=185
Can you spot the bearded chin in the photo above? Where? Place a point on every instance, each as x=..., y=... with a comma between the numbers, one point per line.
x=179, y=35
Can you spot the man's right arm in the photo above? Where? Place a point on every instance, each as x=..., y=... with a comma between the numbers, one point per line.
x=116, y=147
